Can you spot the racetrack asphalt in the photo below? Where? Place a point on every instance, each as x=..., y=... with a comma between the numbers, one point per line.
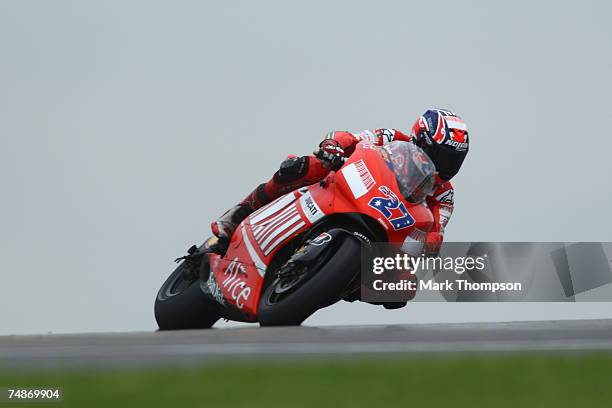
x=201, y=346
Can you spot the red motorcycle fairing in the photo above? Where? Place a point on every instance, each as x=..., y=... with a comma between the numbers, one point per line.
x=365, y=184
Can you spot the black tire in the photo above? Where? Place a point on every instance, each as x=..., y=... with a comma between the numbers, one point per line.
x=322, y=289
x=180, y=303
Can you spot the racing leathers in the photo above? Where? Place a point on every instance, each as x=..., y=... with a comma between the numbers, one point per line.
x=296, y=172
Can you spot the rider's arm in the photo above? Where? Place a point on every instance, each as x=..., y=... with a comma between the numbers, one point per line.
x=347, y=140
x=379, y=137
x=441, y=204
x=384, y=136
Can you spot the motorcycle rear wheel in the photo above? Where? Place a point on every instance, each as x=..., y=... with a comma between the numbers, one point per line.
x=325, y=284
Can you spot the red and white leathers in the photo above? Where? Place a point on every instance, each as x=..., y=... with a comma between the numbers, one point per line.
x=440, y=202
x=296, y=172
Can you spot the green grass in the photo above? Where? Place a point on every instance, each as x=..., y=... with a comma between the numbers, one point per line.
x=526, y=380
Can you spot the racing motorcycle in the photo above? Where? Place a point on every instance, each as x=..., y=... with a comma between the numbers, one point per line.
x=301, y=252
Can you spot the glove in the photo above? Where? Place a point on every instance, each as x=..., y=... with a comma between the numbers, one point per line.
x=331, y=154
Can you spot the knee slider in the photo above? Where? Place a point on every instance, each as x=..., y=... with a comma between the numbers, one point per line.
x=291, y=169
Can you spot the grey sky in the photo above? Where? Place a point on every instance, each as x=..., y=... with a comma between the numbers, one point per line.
x=126, y=126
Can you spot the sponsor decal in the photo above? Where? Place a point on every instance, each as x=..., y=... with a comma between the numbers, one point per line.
x=214, y=289
x=235, y=286
x=310, y=207
x=364, y=174
x=385, y=135
x=361, y=237
x=455, y=144
x=446, y=197
x=277, y=223
x=358, y=178
x=321, y=239
x=392, y=209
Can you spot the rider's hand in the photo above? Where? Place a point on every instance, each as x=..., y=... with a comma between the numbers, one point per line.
x=331, y=153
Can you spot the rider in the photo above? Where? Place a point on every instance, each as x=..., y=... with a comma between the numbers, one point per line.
x=440, y=133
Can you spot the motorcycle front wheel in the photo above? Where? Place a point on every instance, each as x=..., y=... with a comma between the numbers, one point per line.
x=180, y=303
x=290, y=300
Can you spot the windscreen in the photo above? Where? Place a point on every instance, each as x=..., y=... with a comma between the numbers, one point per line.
x=414, y=170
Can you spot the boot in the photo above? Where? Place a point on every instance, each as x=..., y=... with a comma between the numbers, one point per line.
x=225, y=226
